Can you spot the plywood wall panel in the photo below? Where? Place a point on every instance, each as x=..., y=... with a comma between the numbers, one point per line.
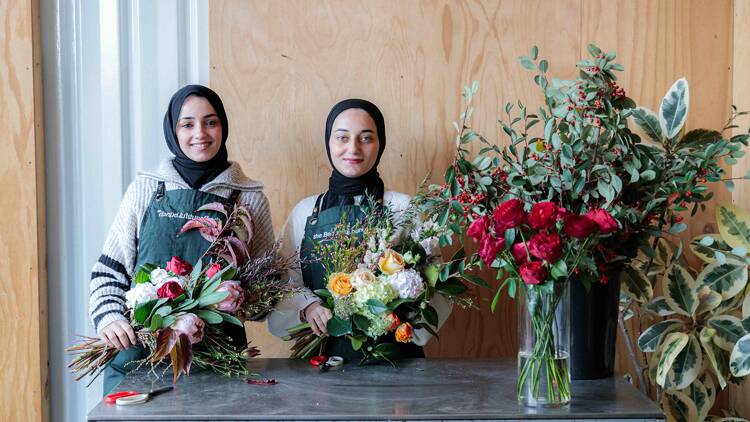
x=280, y=66
x=23, y=301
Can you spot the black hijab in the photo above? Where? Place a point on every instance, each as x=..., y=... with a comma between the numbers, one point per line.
x=342, y=189
x=195, y=174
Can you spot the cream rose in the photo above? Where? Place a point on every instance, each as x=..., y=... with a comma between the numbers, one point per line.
x=391, y=262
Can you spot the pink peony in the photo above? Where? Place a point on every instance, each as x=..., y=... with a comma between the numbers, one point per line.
x=477, y=228
x=508, y=215
x=489, y=247
x=543, y=215
x=546, y=246
x=533, y=272
x=519, y=253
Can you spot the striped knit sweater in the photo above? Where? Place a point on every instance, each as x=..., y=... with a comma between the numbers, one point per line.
x=112, y=273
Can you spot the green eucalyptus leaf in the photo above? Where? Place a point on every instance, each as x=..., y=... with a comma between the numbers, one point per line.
x=211, y=299
x=739, y=360
x=674, y=108
x=376, y=307
x=699, y=138
x=210, y=317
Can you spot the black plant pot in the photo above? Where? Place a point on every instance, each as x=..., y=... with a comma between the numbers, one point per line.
x=593, y=328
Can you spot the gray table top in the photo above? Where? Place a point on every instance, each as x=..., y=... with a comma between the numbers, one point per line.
x=418, y=389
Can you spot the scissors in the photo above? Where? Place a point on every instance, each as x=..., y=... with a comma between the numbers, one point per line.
x=324, y=363
x=127, y=398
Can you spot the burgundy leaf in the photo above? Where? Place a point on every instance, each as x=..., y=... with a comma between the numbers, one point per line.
x=239, y=246
x=231, y=251
x=214, y=206
x=182, y=357
x=198, y=223
x=165, y=342
x=208, y=234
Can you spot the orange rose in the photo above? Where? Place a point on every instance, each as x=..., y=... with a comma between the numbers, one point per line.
x=395, y=321
x=339, y=284
x=403, y=333
x=391, y=262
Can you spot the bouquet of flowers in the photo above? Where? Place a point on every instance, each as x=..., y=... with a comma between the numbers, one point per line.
x=181, y=312
x=383, y=273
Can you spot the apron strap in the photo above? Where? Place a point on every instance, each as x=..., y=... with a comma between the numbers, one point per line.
x=232, y=199
x=160, y=190
x=318, y=201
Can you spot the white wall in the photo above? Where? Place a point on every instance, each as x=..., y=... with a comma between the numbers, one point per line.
x=110, y=68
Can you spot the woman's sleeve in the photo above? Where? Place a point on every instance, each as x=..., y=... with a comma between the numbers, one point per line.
x=263, y=237
x=111, y=275
x=286, y=314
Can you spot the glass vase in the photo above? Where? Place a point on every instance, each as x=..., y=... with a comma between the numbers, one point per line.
x=544, y=345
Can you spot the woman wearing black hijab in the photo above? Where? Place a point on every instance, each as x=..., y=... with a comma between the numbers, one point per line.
x=157, y=204
x=355, y=139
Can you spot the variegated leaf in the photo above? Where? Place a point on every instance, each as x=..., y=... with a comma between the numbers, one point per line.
x=649, y=340
x=636, y=285
x=665, y=250
x=686, y=366
x=746, y=306
x=679, y=289
x=671, y=348
x=727, y=279
x=659, y=306
x=698, y=393
x=729, y=305
x=707, y=253
x=708, y=300
x=710, y=352
x=739, y=360
x=734, y=225
x=728, y=331
x=708, y=384
x=678, y=407
x=674, y=108
x=648, y=121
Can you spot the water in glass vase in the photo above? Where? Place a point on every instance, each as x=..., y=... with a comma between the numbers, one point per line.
x=543, y=381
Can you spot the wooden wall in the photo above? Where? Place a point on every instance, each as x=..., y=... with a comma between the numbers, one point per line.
x=280, y=66
x=24, y=393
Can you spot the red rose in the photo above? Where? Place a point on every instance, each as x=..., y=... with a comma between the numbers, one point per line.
x=603, y=219
x=533, y=272
x=213, y=269
x=519, y=253
x=477, y=228
x=178, y=267
x=579, y=226
x=509, y=214
x=543, y=215
x=170, y=290
x=546, y=246
x=489, y=248
x=562, y=213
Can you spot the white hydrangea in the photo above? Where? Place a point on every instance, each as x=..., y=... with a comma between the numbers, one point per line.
x=158, y=276
x=141, y=293
x=370, y=260
x=431, y=246
x=379, y=290
x=408, y=283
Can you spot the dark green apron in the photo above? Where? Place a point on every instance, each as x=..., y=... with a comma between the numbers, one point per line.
x=318, y=229
x=167, y=212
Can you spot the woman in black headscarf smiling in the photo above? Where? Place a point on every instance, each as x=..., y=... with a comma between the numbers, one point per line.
x=355, y=139
x=157, y=204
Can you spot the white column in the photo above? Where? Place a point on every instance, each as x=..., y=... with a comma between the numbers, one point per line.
x=110, y=68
